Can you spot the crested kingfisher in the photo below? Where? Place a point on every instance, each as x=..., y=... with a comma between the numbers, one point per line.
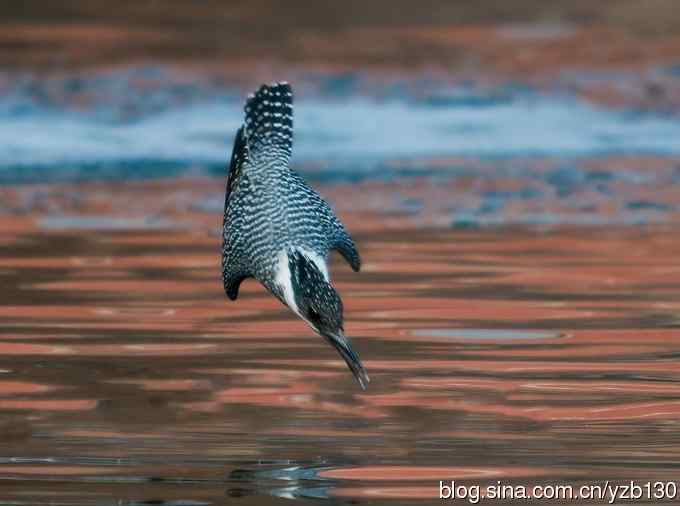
x=277, y=229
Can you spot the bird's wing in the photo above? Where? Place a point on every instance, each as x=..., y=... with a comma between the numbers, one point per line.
x=342, y=242
x=233, y=272
x=269, y=124
x=319, y=212
x=265, y=139
x=239, y=155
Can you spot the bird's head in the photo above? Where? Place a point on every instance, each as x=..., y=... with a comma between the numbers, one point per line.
x=318, y=303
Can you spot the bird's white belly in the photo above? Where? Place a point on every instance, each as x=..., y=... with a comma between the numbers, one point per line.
x=283, y=275
x=284, y=281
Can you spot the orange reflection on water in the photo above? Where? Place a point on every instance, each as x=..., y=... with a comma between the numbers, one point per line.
x=21, y=387
x=411, y=473
x=41, y=405
x=502, y=354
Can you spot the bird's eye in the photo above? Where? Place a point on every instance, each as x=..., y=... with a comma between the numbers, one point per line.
x=313, y=316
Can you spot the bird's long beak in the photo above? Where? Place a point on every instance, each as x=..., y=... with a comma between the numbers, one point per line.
x=344, y=347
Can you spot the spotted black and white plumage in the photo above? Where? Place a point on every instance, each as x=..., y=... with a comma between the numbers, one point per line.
x=277, y=229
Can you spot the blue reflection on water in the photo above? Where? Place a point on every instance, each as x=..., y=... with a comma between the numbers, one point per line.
x=168, y=129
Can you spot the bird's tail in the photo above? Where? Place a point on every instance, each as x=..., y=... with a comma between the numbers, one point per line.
x=269, y=122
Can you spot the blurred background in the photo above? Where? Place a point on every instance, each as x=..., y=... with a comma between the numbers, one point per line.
x=510, y=171
x=562, y=97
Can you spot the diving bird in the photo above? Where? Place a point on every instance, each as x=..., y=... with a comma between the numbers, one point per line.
x=277, y=229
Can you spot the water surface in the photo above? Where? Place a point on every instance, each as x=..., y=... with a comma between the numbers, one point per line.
x=525, y=355
x=517, y=309
x=155, y=121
